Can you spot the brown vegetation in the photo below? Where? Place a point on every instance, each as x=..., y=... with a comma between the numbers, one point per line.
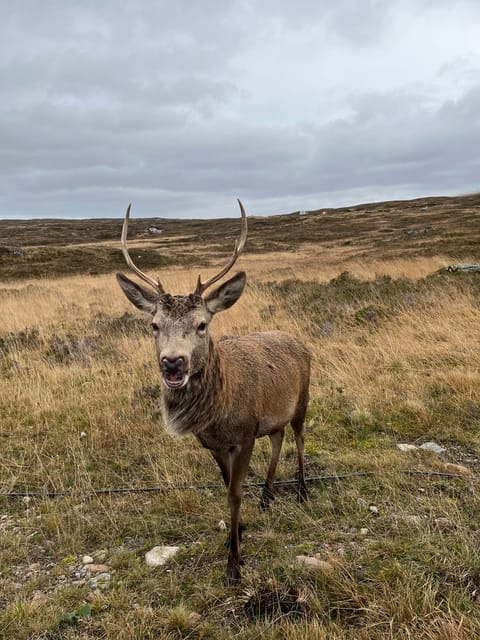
x=396, y=359
x=441, y=226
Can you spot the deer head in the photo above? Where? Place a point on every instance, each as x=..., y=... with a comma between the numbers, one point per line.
x=180, y=323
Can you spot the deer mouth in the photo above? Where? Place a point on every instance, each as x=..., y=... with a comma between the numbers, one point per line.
x=175, y=380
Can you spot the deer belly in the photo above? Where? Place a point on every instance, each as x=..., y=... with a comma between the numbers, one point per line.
x=273, y=421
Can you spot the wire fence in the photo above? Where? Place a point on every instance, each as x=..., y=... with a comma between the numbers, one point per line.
x=213, y=486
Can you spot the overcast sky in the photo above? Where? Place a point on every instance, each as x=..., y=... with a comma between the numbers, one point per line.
x=180, y=107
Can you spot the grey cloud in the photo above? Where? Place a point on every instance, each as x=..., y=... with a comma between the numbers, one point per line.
x=397, y=134
x=358, y=22
x=103, y=103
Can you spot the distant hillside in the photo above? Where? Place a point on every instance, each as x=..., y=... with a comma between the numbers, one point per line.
x=424, y=226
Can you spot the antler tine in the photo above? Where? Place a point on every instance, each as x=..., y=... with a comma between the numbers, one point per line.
x=153, y=283
x=239, y=244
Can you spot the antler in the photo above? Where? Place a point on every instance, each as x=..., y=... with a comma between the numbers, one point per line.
x=239, y=244
x=153, y=283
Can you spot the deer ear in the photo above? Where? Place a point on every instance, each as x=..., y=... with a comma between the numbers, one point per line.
x=226, y=294
x=142, y=298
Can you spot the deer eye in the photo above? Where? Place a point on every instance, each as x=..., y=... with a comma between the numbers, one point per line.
x=202, y=327
x=154, y=326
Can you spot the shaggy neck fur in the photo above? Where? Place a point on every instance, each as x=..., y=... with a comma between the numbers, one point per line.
x=196, y=406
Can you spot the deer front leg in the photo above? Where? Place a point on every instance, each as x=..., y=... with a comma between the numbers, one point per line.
x=224, y=461
x=240, y=459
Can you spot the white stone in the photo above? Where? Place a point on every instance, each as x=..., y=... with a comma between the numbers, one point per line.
x=101, y=581
x=364, y=531
x=87, y=560
x=315, y=563
x=221, y=526
x=373, y=510
x=433, y=447
x=403, y=446
x=159, y=555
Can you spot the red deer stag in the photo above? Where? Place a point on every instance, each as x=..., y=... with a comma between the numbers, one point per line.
x=226, y=392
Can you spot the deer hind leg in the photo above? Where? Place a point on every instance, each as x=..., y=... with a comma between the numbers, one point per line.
x=240, y=460
x=268, y=495
x=298, y=426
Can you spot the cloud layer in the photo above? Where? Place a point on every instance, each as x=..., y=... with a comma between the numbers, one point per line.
x=181, y=107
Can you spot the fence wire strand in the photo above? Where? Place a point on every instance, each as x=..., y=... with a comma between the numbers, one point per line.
x=213, y=486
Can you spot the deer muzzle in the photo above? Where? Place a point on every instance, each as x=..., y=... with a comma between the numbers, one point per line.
x=174, y=372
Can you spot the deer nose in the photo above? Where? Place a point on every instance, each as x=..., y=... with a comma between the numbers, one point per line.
x=172, y=365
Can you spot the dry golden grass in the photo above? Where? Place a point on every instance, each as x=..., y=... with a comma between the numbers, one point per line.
x=391, y=364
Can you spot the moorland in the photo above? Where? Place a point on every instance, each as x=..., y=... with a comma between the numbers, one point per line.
x=392, y=533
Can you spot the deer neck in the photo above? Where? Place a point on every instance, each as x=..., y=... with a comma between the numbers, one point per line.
x=198, y=405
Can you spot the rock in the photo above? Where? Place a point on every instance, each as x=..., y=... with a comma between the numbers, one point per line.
x=159, y=555
x=154, y=231
x=97, y=568
x=364, y=531
x=315, y=563
x=457, y=469
x=221, y=526
x=373, y=510
x=87, y=560
x=100, y=581
x=462, y=268
x=433, y=447
x=403, y=446
x=194, y=618
x=35, y=566
x=39, y=596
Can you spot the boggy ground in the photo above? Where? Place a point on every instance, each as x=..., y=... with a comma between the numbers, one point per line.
x=396, y=360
